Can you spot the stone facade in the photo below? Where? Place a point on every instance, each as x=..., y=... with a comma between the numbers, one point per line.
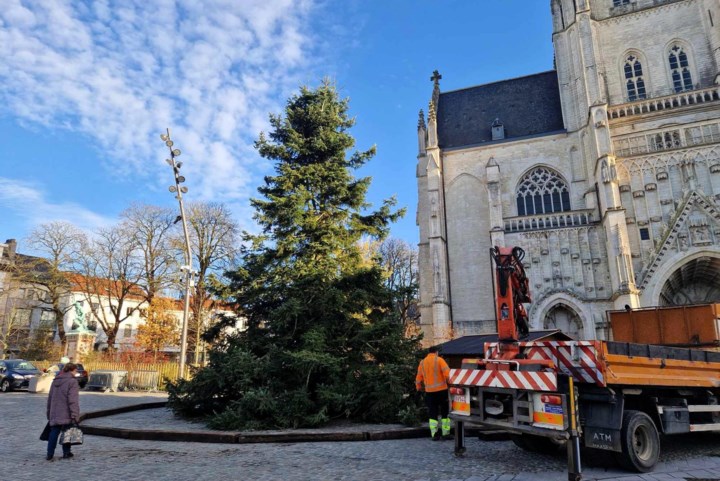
x=605, y=171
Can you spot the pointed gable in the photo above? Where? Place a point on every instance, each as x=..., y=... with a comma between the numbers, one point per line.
x=692, y=226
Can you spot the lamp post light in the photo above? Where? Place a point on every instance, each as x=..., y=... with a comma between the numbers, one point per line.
x=186, y=269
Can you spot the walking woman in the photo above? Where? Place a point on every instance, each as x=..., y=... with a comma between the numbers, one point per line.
x=63, y=408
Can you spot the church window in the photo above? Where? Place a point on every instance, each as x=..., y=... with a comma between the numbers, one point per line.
x=680, y=69
x=634, y=79
x=644, y=233
x=667, y=140
x=706, y=134
x=542, y=191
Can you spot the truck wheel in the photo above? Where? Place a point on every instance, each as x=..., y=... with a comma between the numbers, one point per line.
x=536, y=444
x=640, y=442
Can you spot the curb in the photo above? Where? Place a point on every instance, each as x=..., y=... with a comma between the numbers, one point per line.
x=234, y=437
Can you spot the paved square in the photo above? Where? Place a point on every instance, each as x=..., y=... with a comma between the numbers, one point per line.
x=109, y=459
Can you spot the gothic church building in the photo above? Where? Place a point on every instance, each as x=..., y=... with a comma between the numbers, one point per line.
x=606, y=171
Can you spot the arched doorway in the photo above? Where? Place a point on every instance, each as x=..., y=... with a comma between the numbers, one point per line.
x=696, y=282
x=564, y=318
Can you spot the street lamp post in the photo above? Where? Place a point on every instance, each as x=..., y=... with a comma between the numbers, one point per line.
x=187, y=269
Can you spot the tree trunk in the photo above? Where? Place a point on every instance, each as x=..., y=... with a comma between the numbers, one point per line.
x=197, y=344
x=111, y=335
x=60, y=323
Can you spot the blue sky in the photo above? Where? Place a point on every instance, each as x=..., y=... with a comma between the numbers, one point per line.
x=86, y=88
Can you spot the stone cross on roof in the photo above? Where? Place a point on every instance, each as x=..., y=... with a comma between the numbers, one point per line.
x=436, y=77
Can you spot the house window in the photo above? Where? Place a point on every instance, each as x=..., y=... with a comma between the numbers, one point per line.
x=22, y=317
x=634, y=79
x=644, y=233
x=128, y=311
x=128, y=331
x=619, y=3
x=542, y=191
x=680, y=69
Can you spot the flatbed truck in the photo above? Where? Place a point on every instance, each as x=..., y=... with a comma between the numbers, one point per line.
x=616, y=396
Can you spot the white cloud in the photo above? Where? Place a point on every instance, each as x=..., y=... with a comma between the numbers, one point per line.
x=121, y=71
x=29, y=202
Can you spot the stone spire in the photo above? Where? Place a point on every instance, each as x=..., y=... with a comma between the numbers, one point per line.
x=432, y=116
x=432, y=126
x=422, y=133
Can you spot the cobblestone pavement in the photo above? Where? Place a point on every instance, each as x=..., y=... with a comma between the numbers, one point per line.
x=22, y=417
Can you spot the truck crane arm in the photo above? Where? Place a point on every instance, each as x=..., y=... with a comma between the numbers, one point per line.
x=512, y=291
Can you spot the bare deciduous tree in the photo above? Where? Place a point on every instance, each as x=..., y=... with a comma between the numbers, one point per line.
x=11, y=324
x=213, y=236
x=151, y=229
x=59, y=245
x=111, y=275
x=399, y=259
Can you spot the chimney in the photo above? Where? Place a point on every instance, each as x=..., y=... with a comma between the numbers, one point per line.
x=11, y=247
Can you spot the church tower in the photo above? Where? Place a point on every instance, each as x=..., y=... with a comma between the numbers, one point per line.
x=606, y=171
x=584, y=97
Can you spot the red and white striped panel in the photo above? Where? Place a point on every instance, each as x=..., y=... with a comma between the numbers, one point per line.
x=574, y=358
x=528, y=380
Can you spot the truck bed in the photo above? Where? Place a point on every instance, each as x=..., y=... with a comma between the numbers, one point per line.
x=646, y=364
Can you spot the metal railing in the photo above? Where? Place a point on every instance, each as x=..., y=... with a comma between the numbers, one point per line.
x=139, y=373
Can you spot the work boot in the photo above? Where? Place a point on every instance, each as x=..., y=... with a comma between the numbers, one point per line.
x=434, y=432
x=445, y=424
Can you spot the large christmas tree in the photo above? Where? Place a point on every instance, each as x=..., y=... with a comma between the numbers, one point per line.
x=320, y=342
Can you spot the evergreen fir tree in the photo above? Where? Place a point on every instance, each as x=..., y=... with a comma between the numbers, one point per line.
x=319, y=342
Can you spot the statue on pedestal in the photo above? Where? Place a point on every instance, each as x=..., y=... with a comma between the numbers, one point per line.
x=80, y=338
x=79, y=323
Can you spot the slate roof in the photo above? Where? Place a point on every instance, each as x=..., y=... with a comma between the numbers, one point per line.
x=526, y=106
x=475, y=345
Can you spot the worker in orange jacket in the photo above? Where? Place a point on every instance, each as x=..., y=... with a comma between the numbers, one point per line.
x=433, y=373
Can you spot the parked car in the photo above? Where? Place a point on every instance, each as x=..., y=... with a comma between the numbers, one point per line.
x=81, y=375
x=16, y=374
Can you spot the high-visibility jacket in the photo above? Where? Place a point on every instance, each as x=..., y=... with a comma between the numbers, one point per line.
x=433, y=372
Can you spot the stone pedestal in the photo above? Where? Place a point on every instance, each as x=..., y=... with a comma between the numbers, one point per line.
x=41, y=383
x=79, y=344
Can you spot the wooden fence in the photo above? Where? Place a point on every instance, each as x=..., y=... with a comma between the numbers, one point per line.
x=166, y=370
